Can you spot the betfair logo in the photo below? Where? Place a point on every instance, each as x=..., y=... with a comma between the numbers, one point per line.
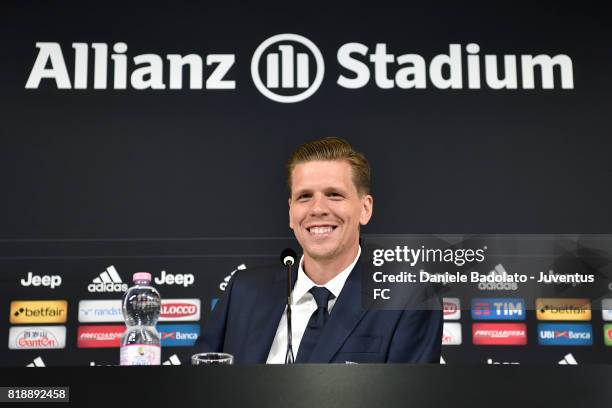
x=42, y=311
x=563, y=309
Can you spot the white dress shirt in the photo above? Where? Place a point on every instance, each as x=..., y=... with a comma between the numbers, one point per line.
x=302, y=307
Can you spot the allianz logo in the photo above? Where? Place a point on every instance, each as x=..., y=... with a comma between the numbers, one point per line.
x=289, y=68
x=52, y=281
x=107, y=281
x=165, y=278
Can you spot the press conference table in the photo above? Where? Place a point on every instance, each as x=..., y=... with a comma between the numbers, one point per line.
x=380, y=386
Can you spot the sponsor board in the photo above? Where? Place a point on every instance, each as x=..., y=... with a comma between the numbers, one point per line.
x=178, y=335
x=38, y=311
x=498, y=309
x=563, y=309
x=499, y=334
x=37, y=337
x=608, y=334
x=104, y=311
x=451, y=334
x=451, y=308
x=606, y=309
x=50, y=281
x=180, y=310
x=103, y=336
x=565, y=334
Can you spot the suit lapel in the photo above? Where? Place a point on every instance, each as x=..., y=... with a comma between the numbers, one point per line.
x=268, y=310
x=346, y=313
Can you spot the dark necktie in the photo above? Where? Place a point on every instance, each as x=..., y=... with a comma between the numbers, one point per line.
x=315, y=324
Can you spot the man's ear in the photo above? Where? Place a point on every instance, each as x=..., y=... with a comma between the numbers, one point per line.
x=289, y=203
x=367, y=206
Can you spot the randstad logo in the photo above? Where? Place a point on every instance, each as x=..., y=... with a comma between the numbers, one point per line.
x=108, y=281
x=43, y=311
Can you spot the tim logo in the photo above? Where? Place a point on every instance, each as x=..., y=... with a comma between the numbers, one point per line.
x=498, y=309
x=287, y=68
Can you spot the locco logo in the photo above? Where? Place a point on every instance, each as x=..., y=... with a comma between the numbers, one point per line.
x=289, y=68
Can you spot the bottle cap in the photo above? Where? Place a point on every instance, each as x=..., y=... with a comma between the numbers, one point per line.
x=146, y=276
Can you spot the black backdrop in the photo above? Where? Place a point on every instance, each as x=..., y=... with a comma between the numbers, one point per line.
x=92, y=175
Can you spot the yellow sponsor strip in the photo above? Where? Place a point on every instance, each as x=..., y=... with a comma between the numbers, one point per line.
x=39, y=311
x=563, y=309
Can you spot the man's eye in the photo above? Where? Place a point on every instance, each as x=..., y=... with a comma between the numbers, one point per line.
x=303, y=197
x=334, y=195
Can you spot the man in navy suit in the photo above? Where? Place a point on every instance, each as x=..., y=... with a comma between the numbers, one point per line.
x=329, y=185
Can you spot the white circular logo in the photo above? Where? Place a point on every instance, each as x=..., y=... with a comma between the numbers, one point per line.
x=287, y=70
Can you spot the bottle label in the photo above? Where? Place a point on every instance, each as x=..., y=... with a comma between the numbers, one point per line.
x=140, y=354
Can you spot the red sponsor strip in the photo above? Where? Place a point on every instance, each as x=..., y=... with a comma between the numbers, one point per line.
x=175, y=310
x=104, y=336
x=499, y=334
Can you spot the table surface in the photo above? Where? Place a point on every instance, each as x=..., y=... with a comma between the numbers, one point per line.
x=384, y=386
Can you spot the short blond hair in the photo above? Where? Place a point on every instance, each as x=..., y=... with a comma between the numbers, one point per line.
x=332, y=149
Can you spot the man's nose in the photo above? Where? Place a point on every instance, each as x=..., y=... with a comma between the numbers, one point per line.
x=319, y=205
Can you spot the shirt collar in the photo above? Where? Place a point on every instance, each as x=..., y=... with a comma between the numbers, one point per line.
x=303, y=283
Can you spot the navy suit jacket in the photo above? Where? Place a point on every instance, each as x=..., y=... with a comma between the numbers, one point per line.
x=245, y=321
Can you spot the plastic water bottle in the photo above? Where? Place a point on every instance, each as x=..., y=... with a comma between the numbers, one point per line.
x=140, y=343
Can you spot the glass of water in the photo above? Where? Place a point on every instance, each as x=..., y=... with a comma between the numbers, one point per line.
x=212, y=358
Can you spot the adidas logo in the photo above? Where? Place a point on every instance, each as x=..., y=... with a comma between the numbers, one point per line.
x=226, y=280
x=108, y=281
x=568, y=360
x=173, y=360
x=38, y=362
x=499, y=270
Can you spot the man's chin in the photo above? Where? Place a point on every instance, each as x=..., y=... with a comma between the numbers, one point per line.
x=320, y=254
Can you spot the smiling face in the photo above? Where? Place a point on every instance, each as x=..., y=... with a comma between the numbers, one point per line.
x=326, y=210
